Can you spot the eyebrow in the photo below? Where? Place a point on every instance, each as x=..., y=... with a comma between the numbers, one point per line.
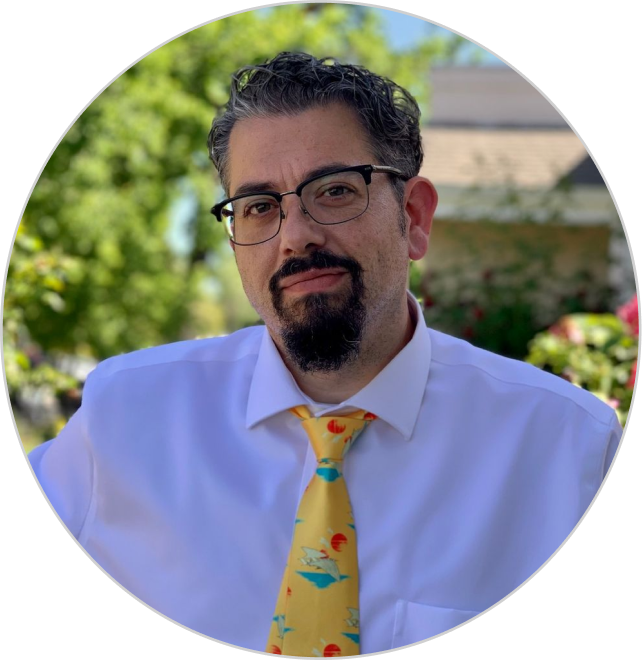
x=269, y=186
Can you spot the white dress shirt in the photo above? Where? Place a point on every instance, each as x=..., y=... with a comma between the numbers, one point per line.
x=182, y=472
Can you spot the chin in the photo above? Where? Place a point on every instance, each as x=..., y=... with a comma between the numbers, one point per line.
x=323, y=333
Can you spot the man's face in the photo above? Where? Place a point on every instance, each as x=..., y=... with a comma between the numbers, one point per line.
x=318, y=287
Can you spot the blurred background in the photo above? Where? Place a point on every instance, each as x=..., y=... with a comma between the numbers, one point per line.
x=117, y=251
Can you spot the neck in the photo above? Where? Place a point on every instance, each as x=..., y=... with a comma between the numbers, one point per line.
x=379, y=346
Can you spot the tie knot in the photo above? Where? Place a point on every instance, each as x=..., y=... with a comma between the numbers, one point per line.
x=332, y=436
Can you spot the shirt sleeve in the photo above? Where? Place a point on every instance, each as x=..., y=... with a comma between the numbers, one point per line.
x=64, y=468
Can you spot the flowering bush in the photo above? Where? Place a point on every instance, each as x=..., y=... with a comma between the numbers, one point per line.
x=503, y=308
x=595, y=351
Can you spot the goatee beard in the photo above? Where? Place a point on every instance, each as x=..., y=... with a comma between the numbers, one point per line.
x=321, y=332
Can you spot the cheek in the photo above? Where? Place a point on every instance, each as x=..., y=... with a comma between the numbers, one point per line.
x=391, y=261
x=255, y=273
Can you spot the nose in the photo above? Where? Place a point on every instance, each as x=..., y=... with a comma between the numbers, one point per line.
x=299, y=232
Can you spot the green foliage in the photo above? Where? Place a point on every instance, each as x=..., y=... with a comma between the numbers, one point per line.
x=595, y=351
x=38, y=280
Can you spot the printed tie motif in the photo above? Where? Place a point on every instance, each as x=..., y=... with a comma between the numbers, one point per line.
x=317, y=611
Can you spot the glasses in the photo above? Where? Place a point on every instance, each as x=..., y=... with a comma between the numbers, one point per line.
x=331, y=198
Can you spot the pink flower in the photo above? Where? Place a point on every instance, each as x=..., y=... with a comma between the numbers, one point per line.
x=567, y=328
x=629, y=314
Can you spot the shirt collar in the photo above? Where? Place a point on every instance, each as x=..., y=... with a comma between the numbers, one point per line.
x=394, y=395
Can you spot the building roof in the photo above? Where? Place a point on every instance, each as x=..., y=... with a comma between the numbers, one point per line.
x=492, y=97
x=535, y=158
x=490, y=127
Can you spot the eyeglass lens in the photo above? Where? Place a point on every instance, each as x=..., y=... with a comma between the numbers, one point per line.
x=331, y=199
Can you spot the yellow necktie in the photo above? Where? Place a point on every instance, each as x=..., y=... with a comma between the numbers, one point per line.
x=317, y=611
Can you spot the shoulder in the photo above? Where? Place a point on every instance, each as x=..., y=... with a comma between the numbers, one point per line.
x=490, y=374
x=226, y=350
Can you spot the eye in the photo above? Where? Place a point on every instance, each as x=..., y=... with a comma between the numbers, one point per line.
x=337, y=191
x=259, y=208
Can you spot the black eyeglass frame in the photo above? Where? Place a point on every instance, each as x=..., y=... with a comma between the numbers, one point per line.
x=366, y=172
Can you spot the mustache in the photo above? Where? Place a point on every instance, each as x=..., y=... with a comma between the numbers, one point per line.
x=318, y=259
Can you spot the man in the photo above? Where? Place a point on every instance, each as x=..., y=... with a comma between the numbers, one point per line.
x=193, y=472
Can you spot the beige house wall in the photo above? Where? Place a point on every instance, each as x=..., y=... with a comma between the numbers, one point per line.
x=559, y=259
x=477, y=246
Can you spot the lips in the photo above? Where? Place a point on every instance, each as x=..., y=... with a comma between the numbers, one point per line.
x=320, y=272
x=309, y=275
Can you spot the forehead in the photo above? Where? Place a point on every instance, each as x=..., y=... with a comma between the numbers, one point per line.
x=281, y=150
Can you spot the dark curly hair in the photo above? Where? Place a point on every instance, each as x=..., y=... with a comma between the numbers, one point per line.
x=293, y=82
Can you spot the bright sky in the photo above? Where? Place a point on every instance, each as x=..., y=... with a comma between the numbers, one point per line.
x=404, y=30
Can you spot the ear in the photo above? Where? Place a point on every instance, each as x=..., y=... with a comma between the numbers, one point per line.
x=420, y=202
